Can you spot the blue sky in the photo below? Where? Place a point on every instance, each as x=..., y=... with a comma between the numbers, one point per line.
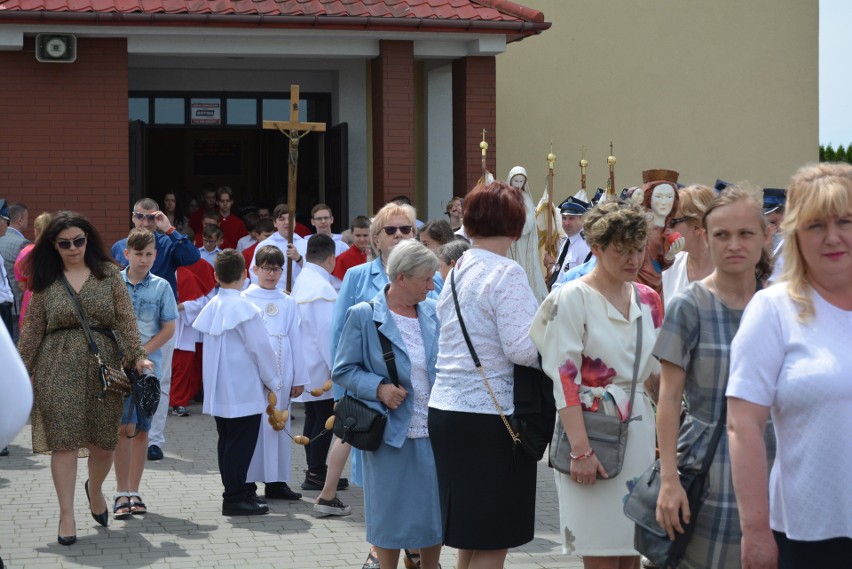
x=835, y=76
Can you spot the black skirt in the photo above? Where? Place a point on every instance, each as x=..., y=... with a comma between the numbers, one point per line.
x=486, y=486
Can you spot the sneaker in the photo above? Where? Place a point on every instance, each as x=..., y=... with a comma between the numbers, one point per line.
x=180, y=411
x=155, y=453
x=280, y=491
x=332, y=507
x=314, y=482
x=244, y=508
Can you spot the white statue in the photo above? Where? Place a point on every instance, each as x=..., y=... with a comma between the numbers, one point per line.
x=524, y=251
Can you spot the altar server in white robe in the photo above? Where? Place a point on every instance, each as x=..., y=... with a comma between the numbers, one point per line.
x=238, y=362
x=281, y=220
x=314, y=294
x=271, y=461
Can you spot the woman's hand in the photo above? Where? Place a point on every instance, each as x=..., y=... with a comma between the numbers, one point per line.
x=143, y=364
x=672, y=504
x=586, y=471
x=391, y=395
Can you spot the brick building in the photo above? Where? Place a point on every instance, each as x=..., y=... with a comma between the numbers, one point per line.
x=167, y=95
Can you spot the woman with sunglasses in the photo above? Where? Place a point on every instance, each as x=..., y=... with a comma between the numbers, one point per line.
x=72, y=416
x=391, y=225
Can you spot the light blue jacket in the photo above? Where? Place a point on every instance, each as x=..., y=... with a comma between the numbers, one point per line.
x=359, y=366
x=360, y=284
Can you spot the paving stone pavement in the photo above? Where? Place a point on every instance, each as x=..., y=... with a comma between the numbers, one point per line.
x=185, y=528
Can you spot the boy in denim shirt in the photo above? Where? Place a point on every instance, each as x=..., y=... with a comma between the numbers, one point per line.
x=156, y=311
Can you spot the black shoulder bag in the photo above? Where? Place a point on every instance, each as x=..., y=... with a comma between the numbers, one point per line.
x=649, y=538
x=531, y=425
x=358, y=424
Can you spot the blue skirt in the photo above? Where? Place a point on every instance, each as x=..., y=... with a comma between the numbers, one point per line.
x=401, y=503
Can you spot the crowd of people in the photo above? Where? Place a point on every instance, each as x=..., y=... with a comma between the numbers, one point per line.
x=677, y=310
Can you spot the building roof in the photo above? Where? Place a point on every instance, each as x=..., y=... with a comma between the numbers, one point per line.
x=481, y=16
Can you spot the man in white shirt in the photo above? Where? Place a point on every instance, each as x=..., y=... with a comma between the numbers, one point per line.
x=573, y=249
x=281, y=220
x=321, y=219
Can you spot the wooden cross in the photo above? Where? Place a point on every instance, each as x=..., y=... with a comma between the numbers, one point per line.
x=294, y=131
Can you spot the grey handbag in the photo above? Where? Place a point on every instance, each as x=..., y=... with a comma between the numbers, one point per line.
x=649, y=538
x=607, y=433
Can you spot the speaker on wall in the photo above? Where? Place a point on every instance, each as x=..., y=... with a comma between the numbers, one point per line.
x=56, y=48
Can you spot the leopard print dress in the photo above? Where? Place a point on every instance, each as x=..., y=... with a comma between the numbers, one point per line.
x=68, y=413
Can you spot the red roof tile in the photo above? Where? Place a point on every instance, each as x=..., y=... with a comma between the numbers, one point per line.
x=483, y=10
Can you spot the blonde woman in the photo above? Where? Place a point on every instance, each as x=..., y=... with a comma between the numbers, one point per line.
x=791, y=359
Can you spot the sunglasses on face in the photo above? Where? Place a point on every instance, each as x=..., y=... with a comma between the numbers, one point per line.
x=66, y=244
x=392, y=229
x=141, y=216
x=677, y=220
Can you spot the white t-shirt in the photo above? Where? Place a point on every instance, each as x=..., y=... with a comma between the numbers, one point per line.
x=675, y=278
x=801, y=371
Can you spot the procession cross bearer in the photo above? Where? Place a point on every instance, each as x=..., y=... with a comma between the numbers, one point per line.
x=294, y=131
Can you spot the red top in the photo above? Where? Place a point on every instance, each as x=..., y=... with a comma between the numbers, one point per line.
x=248, y=255
x=199, y=280
x=301, y=230
x=345, y=261
x=233, y=229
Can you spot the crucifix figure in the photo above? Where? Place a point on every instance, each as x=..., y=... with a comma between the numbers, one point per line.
x=294, y=131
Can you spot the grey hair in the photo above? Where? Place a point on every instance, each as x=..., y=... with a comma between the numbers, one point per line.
x=453, y=250
x=411, y=258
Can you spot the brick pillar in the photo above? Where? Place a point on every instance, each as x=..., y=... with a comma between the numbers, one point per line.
x=64, y=134
x=392, y=77
x=474, y=109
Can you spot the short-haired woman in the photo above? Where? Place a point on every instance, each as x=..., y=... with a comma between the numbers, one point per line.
x=400, y=487
x=474, y=454
x=791, y=359
x=72, y=413
x=587, y=335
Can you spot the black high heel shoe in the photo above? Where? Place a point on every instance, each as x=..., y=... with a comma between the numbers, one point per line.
x=102, y=518
x=66, y=540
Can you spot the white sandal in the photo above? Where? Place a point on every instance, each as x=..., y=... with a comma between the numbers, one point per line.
x=123, y=510
x=137, y=506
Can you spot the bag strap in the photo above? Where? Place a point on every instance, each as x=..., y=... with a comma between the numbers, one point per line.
x=516, y=439
x=714, y=441
x=83, y=322
x=387, y=352
x=637, y=357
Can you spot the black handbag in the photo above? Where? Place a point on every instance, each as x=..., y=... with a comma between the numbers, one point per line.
x=145, y=392
x=649, y=538
x=354, y=421
x=607, y=433
x=113, y=380
x=531, y=425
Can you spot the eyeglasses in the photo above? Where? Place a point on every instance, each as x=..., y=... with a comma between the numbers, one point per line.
x=322, y=219
x=271, y=270
x=66, y=244
x=677, y=220
x=210, y=240
x=391, y=229
x=141, y=216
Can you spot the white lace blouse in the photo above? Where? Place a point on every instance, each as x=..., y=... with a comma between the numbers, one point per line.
x=498, y=306
x=409, y=329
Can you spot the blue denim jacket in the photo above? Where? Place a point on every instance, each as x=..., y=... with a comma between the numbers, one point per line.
x=153, y=303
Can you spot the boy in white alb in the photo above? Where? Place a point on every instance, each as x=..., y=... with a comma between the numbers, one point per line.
x=238, y=362
x=315, y=296
x=271, y=461
x=281, y=220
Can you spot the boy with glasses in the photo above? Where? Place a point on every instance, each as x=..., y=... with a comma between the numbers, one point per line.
x=271, y=461
x=321, y=219
x=212, y=241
